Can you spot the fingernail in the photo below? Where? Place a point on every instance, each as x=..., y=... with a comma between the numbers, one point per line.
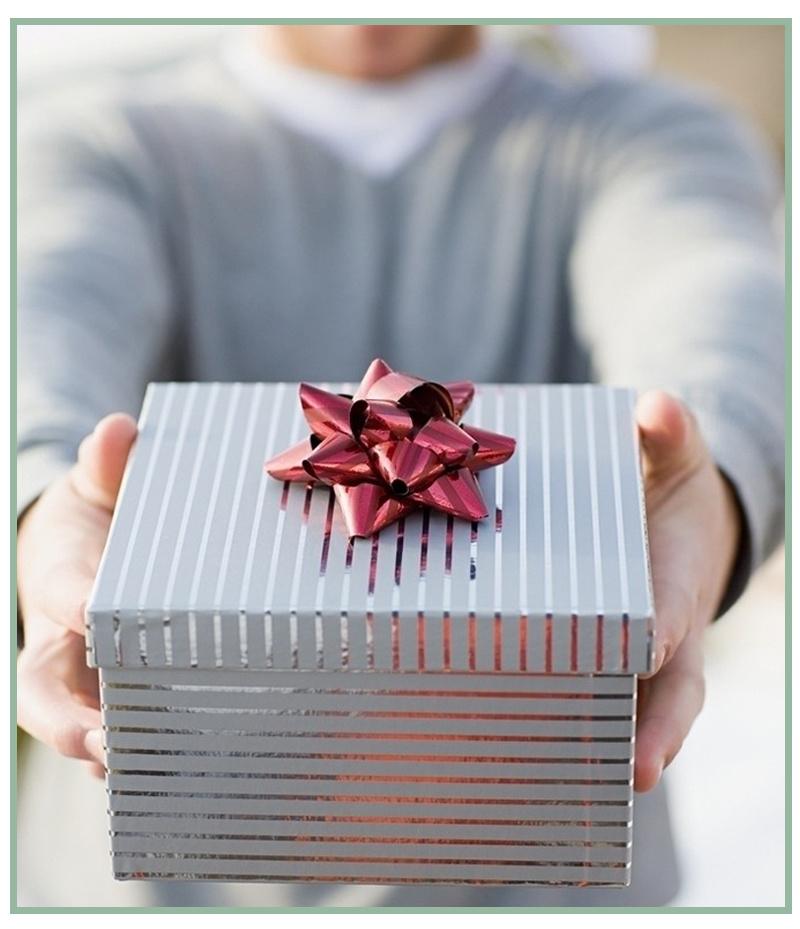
x=94, y=744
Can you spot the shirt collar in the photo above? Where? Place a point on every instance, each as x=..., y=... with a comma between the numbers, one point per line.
x=377, y=126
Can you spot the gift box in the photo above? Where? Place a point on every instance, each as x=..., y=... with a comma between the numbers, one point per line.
x=444, y=701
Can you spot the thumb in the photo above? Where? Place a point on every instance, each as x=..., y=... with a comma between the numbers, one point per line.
x=102, y=457
x=671, y=441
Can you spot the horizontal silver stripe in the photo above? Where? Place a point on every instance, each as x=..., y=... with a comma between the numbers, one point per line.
x=143, y=792
x=382, y=829
x=345, y=879
x=261, y=723
x=560, y=813
x=308, y=745
x=371, y=798
x=389, y=871
x=409, y=730
x=303, y=852
x=365, y=682
x=411, y=846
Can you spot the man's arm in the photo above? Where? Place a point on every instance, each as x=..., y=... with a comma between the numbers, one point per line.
x=678, y=285
x=95, y=321
x=95, y=309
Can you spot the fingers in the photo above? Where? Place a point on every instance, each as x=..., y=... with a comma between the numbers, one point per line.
x=102, y=457
x=671, y=440
x=65, y=597
x=49, y=709
x=676, y=599
x=95, y=770
x=668, y=705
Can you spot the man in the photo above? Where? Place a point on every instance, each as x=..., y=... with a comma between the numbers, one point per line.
x=325, y=194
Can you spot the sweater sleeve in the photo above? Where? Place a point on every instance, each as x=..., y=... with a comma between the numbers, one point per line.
x=94, y=303
x=677, y=283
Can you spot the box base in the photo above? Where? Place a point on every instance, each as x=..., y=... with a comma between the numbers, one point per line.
x=370, y=777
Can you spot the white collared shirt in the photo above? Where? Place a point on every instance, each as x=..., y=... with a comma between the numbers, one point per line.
x=378, y=126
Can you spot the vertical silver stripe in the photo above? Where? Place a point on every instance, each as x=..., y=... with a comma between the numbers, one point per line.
x=472, y=595
x=154, y=549
x=269, y=449
x=142, y=502
x=422, y=581
x=142, y=638
x=243, y=659
x=190, y=497
x=522, y=470
x=192, y=627
x=294, y=592
x=116, y=628
x=187, y=510
x=447, y=591
x=597, y=549
x=206, y=533
x=370, y=617
x=345, y=619
x=117, y=634
x=344, y=616
x=498, y=505
x=245, y=463
x=544, y=409
x=395, y=584
x=566, y=395
x=422, y=578
x=144, y=416
x=214, y=496
x=216, y=623
x=319, y=601
x=642, y=503
x=167, y=633
x=394, y=658
x=613, y=426
x=191, y=393
x=276, y=547
x=319, y=639
x=91, y=653
x=137, y=521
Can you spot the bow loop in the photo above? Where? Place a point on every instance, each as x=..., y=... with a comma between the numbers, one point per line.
x=376, y=421
x=395, y=445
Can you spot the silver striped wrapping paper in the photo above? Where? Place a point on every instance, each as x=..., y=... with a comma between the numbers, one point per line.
x=446, y=702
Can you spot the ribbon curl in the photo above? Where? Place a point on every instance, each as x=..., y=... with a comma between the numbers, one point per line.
x=396, y=444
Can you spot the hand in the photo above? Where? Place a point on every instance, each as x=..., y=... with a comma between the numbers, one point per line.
x=59, y=544
x=694, y=528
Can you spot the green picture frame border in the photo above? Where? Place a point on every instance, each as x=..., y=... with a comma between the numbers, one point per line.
x=15, y=23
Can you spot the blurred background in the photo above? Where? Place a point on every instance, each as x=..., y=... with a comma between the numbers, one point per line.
x=730, y=853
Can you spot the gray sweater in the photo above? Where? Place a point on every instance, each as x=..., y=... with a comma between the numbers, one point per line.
x=562, y=231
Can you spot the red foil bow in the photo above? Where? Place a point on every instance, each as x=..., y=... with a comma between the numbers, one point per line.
x=393, y=446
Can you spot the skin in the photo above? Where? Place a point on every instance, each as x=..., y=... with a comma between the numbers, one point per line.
x=693, y=518
x=371, y=53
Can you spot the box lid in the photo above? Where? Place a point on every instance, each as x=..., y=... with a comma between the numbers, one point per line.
x=210, y=563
